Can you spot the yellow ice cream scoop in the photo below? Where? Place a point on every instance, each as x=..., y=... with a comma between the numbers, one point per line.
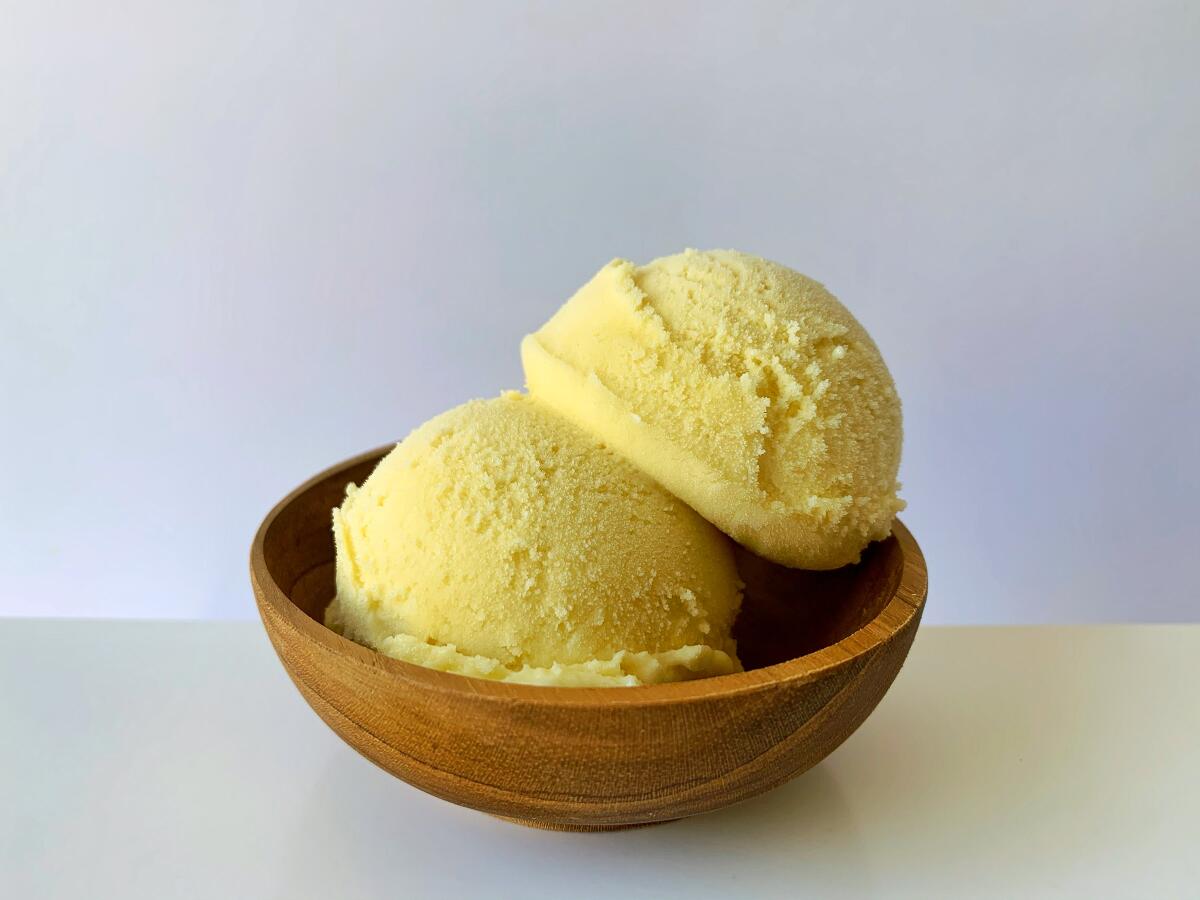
x=500, y=541
x=743, y=387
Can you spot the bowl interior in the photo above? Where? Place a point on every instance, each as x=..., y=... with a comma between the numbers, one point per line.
x=786, y=613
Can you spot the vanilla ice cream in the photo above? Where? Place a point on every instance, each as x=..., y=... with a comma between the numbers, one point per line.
x=743, y=387
x=499, y=540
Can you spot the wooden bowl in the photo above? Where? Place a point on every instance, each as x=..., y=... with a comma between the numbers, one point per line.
x=820, y=648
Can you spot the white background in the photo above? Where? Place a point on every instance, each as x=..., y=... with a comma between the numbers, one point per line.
x=242, y=241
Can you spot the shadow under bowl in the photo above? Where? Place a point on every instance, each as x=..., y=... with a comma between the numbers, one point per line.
x=820, y=650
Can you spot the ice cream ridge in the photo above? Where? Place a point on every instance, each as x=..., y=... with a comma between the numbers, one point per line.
x=581, y=534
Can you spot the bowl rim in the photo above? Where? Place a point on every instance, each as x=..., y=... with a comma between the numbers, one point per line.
x=906, y=602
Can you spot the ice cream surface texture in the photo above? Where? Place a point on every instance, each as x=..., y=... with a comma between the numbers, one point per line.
x=743, y=387
x=499, y=540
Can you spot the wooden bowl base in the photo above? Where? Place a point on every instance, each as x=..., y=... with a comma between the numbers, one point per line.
x=555, y=826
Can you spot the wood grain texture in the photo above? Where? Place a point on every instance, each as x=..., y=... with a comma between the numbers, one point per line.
x=821, y=649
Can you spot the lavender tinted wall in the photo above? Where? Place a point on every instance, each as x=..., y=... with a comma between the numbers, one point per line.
x=239, y=242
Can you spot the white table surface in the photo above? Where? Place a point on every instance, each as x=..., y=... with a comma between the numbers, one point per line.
x=153, y=759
